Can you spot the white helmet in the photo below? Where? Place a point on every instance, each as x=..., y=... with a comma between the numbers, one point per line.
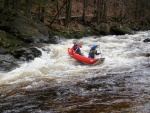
x=74, y=42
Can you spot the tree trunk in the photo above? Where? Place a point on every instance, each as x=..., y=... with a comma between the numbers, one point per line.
x=68, y=12
x=6, y=6
x=57, y=7
x=57, y=13
x=104, y=17
x=101, y=11
x=16, y=6
x=39, y=10
x=98, y=11
x=43, y=11
x=28, y=8
x=85, y=2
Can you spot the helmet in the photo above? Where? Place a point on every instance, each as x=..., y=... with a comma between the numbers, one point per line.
x=74, y=42
x=94, y=46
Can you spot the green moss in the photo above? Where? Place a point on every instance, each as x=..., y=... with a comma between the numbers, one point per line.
x=126, y=30
x=7, y=40
x=70, y=33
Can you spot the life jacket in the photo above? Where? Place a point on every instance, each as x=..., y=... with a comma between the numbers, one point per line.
x=76, y=49
x=93, y=51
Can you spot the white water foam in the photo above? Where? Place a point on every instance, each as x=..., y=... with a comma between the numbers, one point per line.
x=120, y=53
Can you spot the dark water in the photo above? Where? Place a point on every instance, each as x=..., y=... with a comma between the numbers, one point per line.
x=113, y=93
x=46, y=85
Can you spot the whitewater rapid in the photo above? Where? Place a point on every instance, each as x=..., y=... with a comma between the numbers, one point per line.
x=56, y=83
x=120, y=53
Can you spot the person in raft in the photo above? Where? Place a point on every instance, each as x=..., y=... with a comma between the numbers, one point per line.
x=93, y=51
x=76, y=47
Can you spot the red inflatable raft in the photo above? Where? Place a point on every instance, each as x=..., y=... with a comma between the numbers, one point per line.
x=83, y=59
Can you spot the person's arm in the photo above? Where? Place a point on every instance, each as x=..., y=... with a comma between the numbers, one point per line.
x=97, y=53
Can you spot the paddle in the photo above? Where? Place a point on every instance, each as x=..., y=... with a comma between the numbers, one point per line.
x=100, y=51
x=78, y=47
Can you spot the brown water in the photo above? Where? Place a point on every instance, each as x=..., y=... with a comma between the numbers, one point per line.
x=55, y=83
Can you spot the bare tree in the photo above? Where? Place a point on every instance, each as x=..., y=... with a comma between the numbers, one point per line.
x=85, y=2
x=16, y=6
x=101, y=10
x=68, y=12
x=28, y=8
x=6, y=6
x=57, y=13
x=104, y=16
x=98, y=11
x=43, y=11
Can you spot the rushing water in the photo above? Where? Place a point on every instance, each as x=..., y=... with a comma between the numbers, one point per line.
x=56, y=83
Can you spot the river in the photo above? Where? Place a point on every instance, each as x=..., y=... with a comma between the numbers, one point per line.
x=56, y=83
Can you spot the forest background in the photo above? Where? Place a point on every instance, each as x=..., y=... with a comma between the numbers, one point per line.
x=76, y=15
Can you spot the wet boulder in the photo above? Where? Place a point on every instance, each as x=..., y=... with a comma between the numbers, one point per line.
x=7, y=66
x=3, y=51
x=7, y=62
x=104, y=29
x=26, y=54
x=9, y=59
x=55, y=39
x=120, y=30
x=145, y=54
x=8, y=40
x=26, y=29
x=146, y=40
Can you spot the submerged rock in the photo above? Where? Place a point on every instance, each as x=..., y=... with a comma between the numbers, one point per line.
x=9, y=60
x=26, y=54
x=7, y=66
x=146, y=40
